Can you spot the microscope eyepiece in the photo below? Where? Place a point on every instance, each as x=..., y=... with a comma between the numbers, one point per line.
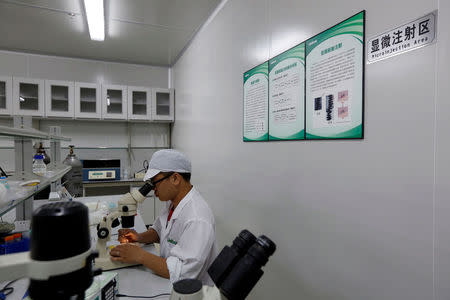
x=146, y=188
x=243, y=241
x=61, y=231
x=68, y=222
x=262, y=249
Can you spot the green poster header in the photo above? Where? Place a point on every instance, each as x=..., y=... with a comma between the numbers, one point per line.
x=262, y=68
x=295, y=52
x=353, y=26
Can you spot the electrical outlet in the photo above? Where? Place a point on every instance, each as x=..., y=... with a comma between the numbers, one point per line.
x=140, y=175
x=22, y=225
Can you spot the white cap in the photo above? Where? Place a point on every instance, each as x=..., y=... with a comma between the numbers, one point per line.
x=167, y=160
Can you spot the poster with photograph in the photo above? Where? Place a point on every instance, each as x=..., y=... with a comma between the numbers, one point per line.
x=335, y=81
x=256, y=94
x=287, y=95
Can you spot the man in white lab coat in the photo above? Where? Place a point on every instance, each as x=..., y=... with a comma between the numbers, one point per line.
x=185, y=228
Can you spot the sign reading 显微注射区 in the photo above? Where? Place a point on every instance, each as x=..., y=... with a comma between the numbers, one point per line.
x=413, y=35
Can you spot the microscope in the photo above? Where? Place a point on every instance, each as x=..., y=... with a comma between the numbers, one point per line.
x=60, y=261
x=235, y=271
x=126, y=210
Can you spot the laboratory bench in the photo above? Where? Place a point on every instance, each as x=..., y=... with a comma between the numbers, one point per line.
x=135, y=281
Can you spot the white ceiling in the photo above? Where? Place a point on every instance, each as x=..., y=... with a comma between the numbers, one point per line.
x=150, y=32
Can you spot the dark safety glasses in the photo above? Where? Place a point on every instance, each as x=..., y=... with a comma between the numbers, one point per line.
x=154, y=183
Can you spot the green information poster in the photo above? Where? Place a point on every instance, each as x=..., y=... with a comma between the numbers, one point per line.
x=335, y=81
x=286, y=95
x=256, y=94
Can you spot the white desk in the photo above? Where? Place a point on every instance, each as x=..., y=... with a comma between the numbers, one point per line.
x=135, y=281
x=140, y=281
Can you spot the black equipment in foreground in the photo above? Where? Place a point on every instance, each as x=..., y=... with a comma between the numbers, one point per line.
x=237, y=269
x=60, y=262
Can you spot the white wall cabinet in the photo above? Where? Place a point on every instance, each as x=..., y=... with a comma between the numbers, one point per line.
x=162, y=104
x=114, y=102
x=139, y=103
x=88, y=100
x=59, y=99
x=80, y=100
x=28, y=97
x=6, y=95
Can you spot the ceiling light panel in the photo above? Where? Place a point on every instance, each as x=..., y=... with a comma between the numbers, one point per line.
x=95, y=15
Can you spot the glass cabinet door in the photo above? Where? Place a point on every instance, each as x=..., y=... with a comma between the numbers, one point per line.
x=59, y=99
x=114, y=102
x=114, y=99
x=87, y=100
x=163, y=104
x=139, y=105
x=88, y=103
x=28, y=98
x=5, y=95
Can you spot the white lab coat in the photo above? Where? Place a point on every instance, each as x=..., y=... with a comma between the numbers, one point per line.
x=189, y=241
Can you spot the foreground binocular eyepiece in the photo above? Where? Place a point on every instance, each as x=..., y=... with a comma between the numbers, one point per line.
x=237, y=269
x=229, y=256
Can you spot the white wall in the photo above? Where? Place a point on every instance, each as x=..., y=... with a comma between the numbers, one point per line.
x=442, y=161
x=91, y=134
x=74, y=69
x=352, y=220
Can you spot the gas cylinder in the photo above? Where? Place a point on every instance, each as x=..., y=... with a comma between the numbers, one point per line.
x=73, y=180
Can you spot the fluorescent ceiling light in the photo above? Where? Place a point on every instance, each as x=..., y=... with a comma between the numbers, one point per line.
x=95, y=15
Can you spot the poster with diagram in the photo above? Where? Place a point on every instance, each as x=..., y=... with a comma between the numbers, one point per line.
x=286, y=95
x=335, y=81
x=256, y=94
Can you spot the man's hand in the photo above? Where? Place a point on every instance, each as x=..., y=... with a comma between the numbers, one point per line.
x=127, y=253
x=128, y=235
